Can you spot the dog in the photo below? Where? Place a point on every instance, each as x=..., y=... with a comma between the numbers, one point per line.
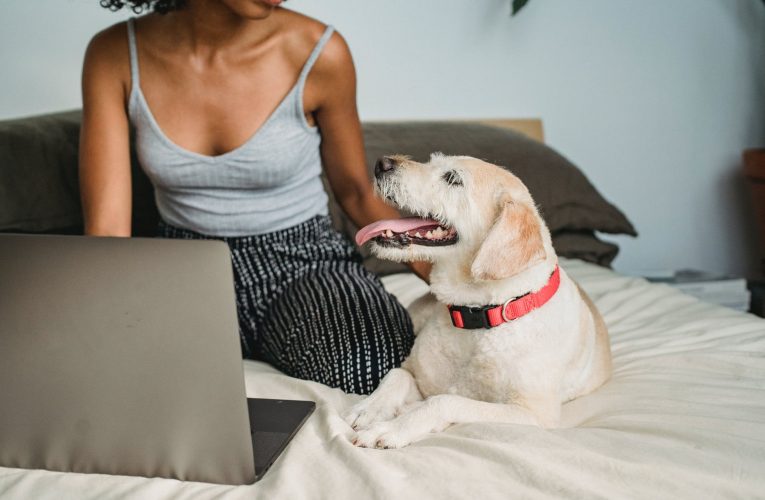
x=505, y=334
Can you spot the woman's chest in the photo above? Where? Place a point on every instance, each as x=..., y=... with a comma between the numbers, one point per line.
x=214, y=111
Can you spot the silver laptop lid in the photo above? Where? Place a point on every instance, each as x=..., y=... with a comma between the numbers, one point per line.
x=121, y=356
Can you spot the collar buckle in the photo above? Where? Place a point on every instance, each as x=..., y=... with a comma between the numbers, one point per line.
x=470, y=317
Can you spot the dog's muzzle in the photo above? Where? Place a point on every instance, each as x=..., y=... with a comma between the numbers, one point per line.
x=400, y=233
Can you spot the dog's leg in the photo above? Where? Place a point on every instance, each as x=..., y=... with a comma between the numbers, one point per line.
x=439, y=412
x=397, y=389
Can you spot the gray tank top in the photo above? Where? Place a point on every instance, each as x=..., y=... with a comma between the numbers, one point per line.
x=270, y=182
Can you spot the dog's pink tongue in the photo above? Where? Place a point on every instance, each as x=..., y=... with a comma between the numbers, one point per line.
x=366, y=233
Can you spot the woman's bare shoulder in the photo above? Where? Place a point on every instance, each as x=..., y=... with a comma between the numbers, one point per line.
x=111, y=42
x=305, y=32
x=107, y=55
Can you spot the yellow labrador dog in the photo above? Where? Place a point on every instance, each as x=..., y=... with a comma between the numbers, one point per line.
x=510, y=337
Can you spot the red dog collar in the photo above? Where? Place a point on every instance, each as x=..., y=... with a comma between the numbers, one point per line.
x=475, y=317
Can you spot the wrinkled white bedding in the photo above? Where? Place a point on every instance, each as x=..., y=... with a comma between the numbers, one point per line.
x=683, y=416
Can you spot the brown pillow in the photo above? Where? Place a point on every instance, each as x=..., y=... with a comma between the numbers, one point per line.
x=584, y=245
x=38, y=172
x=39, y=189
x=568, y=201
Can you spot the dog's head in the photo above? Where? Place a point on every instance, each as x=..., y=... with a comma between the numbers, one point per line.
x=471, y=213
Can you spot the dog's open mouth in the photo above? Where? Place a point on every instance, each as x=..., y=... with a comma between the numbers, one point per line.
x=408, y=231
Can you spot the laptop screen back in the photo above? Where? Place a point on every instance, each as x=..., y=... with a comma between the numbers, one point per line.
x=121, y=356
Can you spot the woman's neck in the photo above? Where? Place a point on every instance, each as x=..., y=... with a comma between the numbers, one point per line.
x=210, y=25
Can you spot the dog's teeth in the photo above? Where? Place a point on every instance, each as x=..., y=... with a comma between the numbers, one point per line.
x=389, y=233
x=417, y=235
x=429, y=235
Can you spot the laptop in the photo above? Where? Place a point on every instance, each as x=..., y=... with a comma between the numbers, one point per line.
x=122, y=356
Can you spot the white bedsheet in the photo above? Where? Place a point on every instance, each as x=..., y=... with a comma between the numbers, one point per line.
x=682, y=417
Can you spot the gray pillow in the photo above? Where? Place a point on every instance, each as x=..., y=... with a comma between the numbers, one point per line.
x=39, y=187
x=584, y=245
x=568, y=202
x=38, y=172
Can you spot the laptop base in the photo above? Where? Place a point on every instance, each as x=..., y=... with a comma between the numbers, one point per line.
x=273, y=423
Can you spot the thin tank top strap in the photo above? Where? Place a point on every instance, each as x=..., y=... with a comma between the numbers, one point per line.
x=315, y=55
x=133, y=54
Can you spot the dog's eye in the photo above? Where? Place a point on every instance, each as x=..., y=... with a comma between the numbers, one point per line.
x=452, y=178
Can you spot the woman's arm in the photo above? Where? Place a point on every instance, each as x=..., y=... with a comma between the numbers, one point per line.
x=105, y=184
x=342, y=146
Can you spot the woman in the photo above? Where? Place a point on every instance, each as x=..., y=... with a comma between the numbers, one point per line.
x=236, y=106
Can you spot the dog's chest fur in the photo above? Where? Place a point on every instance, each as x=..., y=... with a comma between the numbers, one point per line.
x=540, y=352
x=487, y=365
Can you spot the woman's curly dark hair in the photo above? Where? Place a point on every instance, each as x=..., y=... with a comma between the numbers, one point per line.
x=139, y=6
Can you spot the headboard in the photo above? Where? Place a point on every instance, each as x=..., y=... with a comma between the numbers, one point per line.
x=531, y=127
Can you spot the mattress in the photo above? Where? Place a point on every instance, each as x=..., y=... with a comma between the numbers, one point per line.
x=682, y=417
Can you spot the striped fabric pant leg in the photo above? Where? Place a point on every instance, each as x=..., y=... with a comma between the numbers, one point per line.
x=308, y=306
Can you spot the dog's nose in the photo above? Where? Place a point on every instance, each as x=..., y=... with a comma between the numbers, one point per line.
x=385, y=165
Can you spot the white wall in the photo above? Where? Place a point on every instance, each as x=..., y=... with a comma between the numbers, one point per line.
x=653, y=99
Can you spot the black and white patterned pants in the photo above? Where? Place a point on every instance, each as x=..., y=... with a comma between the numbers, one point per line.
x=307, y=306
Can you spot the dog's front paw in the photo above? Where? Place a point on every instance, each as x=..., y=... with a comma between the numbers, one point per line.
x=369, y=411
x=386, y=435
x=399, y=432
x=380, y=435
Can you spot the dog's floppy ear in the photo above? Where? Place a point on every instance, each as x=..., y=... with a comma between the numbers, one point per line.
x=513, y=244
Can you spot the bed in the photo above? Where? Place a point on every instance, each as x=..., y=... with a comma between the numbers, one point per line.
x=683, y=415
